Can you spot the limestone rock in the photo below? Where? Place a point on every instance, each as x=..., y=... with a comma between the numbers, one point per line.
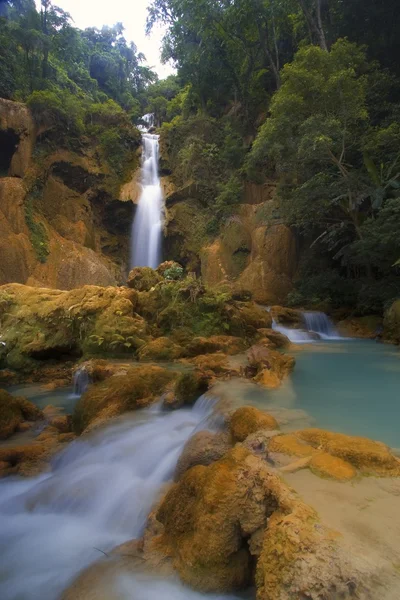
x=363, y=453
x=162, y=348
x=42, y=323
x=13, y=411
x=272, y=264
x=287, y=316
x=247, y=420
x=391, y=323
x=216, y=516
x=138, y=388
x=203, y=448
x=271, y=366
x=277, y=339
x=325, y=465
x=143, y=278
x=215, y=343
x=190, y=386
x=18, y=133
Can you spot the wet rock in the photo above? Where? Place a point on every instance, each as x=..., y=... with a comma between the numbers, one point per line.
x=277, y=339
x=203, y=448
x=215, y=343
x=325, y=465
x=290, y=444
x=139, y=387
x=143, y=279
x=63, y=424
x=271, y=366
x=54, y=324
x=220, y=518
x=171, y=402
x=13, y=411
x=190, y=386
x=162, y=348
x=247, y=420
x=363, y=453
x=216, y=363
x=287, y=316
x=253, y=315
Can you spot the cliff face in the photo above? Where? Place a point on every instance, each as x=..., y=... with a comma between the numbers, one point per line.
x=62, y=223
x=254, y=251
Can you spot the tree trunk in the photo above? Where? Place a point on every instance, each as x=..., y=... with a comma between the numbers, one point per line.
x=314, y=22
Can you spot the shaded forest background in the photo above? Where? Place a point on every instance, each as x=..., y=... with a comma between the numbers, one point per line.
x=302, y=92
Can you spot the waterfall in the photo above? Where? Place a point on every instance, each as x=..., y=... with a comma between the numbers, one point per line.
x=147, y=224
x=319, y=322
x=98, y=495
x=80, y=382
x=317, y=326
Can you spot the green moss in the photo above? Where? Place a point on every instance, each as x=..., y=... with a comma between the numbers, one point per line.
x=38, y=234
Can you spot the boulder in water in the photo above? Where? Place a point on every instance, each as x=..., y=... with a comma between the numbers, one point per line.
x=333, y=467
x=143, y=279
x=247, y=420
x=13, y=411
x=366, y=455
x=228, y=344
x=137, y=388
x=220, y=519
x=248, y=317
x=271, y=366
x=289, y=317
x=276, y=338
x=190, y=386
x=203, y=448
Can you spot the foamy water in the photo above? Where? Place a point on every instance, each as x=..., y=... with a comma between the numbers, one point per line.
x=98, y=496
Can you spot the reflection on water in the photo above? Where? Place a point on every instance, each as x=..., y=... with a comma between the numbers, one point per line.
x=63, y=397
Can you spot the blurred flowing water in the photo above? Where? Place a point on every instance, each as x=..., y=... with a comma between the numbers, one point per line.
x=98, y=495
x=147, y=224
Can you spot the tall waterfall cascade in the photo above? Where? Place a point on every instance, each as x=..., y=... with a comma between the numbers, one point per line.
x=147, y=224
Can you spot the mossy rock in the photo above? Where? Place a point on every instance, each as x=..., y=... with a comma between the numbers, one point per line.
x=162, y=348
x=14, y=410
x=247, y=420
x=190, y=386
x=139, y=387
x=143, y=279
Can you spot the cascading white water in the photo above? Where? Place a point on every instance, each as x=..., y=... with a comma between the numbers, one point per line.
x=81, y=382
x=319, y=322
x=147, y=224
x=98, y=495
x=317, y=326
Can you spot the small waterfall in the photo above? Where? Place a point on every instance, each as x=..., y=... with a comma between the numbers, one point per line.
x=317, y=326
x=80, y=382
x=147, y=225
x=297, y=336
x=98, y=495
x=319, y=322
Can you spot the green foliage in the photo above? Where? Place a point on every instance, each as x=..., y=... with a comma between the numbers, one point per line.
x=173, y=273
x=58, y=110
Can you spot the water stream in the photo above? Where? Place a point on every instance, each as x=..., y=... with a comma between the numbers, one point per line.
x=147, y=224
x=98, y=495
x=317, y=326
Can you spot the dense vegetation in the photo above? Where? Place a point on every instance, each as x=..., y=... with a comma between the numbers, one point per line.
x=305, y=92
x=83, y=87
